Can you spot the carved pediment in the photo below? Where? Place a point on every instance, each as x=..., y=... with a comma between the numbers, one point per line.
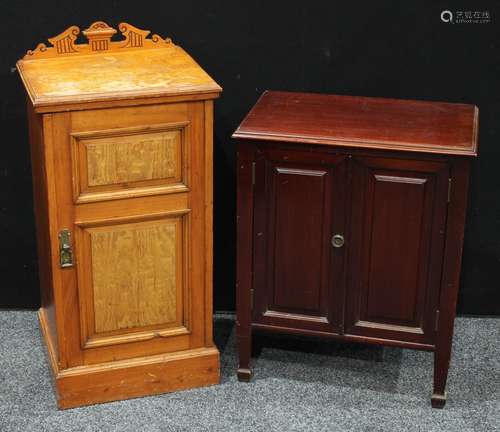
x=99, y=36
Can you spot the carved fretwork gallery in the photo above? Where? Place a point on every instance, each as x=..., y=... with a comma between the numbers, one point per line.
x=99, y=36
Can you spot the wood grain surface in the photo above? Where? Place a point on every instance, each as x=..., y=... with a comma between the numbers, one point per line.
x=134, y=268
x=132, y=182
x=132, y=158
x=396, y=198
x=353, y=121
x=137, y=67
x=121, y=135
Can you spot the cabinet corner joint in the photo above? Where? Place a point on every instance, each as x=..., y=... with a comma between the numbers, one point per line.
x=449, y=190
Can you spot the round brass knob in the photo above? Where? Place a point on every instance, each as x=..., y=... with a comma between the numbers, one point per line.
x=338, y=241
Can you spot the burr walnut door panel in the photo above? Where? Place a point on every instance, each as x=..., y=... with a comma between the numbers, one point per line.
x=299, y=206
x=131, y=192
x=396, y=247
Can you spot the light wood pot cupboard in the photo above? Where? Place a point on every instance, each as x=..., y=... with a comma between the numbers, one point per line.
x=121, y=144
x=351, y=215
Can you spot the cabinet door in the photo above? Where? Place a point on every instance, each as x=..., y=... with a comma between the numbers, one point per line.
x=396, y=246
x=130, y=188
x=299, y=205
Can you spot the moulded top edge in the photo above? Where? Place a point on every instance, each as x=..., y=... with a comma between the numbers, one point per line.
x=351, y=121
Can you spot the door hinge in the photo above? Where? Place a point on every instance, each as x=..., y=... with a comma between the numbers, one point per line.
x=436, y=324
x=449, y=190
x=341, y=329
x=251, y=299
x=253, y=173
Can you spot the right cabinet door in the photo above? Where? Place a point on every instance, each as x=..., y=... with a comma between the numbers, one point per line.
x=396, y=241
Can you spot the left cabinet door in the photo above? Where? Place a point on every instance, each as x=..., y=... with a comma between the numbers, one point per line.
x=128, y=184
x=299, y=206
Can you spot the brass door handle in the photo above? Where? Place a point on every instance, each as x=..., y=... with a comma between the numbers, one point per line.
x=338, y=241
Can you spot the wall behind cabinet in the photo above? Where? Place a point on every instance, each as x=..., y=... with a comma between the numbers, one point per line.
x=385, y=48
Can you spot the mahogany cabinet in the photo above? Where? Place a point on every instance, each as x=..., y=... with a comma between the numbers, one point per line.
x=121, y=144
x=350, y=221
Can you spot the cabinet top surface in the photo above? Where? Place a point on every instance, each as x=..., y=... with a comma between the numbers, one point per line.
x=352, y=121
x=104, y=69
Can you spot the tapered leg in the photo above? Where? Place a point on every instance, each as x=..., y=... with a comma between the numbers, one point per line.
x=441, y=366
x=244, y=228
x=244, y=353
x=451, y=277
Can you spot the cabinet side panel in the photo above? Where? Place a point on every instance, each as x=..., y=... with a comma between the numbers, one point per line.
x=209, y=162
x=40, y=198
x=245, y=268
x=450, y=283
